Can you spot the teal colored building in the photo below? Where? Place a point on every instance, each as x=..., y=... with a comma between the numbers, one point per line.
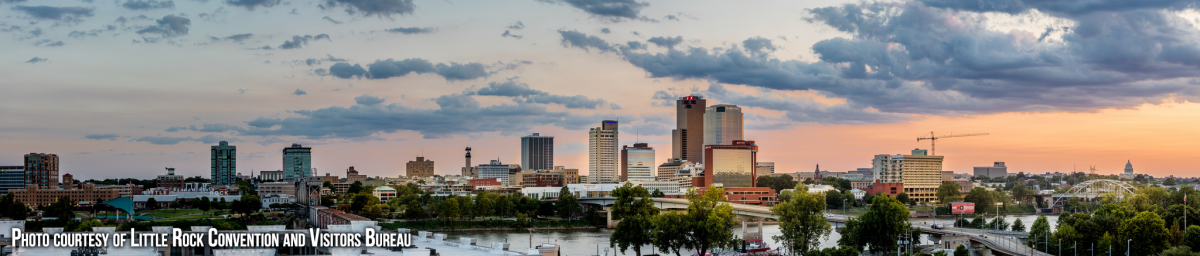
x=297, y=162
x=224, y=164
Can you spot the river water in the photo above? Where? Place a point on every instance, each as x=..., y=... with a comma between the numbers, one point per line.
x=588, y=242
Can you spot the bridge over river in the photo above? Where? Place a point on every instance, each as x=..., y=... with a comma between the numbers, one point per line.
x=1005, y=244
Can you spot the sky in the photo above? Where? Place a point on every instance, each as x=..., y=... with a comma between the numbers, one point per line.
x=125, y=88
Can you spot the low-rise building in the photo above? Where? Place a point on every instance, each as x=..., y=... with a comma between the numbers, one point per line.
x=35, y=197
x=127, y=190
x=276, y=199
x=270, y=175
x=661, y=186
x=11, y=177
x=169, y=181
x=384, y=193
x=763, y=196
x=352, y=176
x=277, y=188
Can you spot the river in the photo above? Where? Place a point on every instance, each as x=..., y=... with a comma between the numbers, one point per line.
x=584, y=242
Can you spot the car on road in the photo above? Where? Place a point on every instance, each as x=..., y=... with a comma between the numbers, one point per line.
x=937, y=226
x=982, y=235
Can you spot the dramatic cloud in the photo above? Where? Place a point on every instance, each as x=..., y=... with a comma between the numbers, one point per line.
x=411, y=30
x=666, y=42
x=607, y=8
x=108, y=136
x=36, y=60
x=251, y=4
x=801, y=110
x=456, y=114
x=55, y=13
x=521, y=92
x=380, y=8
x=148, y=4
x=169, y=26
x=383, y=69
x=583, y=41
x=206, y=128
x=299, y=92
x=298, y=41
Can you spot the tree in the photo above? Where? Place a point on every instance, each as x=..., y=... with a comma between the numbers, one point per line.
x=668, y=232
x=658, y=194
x=1039, y=230
x=1149, y=230
x=485, y=205
x=567, y=204
x=202, y=203
x=1020, y=192
x=978, y=221
x=18, y=211
x=710, y=220
x=373, y=212
x=961, y=251
x=635, y=209
x=355, y=188
x=997, y=223
x=1169, y=182
x=902, y=197
x=1182, y=250
x=947, y=191
x=884, y=221
x=504, y=206
x=415, y=210
x=447, y=210
x=801, y=222
x=833, y=199
x=1018, y=226
x=982, y=198
x=327, y=184
x=1191, y=237
x=151, y=203
x=1175, y=235
x=247, y=204
x=786, y=195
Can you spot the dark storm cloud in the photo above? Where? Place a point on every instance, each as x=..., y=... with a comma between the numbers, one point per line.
x=380, y=8
x=411, y=30
x=635, y=45
x=607, y=8
x=36, y=60
x=55, y=13
x=456, y=114
x=148, y=4
x=583, y=41
x=383, y=69
x=805, y=110
x=251, y=4
x=666, y=42
x=522, y=93
x=911, y=58
x=298, y=41
x=107, y=136
x=169, y=26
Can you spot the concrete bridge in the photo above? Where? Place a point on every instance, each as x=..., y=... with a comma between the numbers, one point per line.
x=1001, y=244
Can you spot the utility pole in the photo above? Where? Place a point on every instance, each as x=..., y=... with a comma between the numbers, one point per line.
x=1127, y=246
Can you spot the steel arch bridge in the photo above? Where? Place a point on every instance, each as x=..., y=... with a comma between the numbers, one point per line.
x=1097, y=188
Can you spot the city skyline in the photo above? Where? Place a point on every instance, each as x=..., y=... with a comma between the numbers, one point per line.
x=166, y=83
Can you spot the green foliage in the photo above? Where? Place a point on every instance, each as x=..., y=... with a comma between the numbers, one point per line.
x=997, y=223
x=878, y=227
x=801, y=222
x=777, y=183
x=978, y=222
x=1018, y=226
x=567, y=204
x=1191, y=237
x=524, y=222
x=961, y=251
x=1038, y=231
x=657, y=194
x=982, y=198
x=669, y=232
x=355, y=188
x=1148, y=230
x=415, y=210
x=151, y=204
x=1182, y=250
x=948, y=192
x=710, y=220
x=832, y=251
x=361, y=201
x=786, y=195
x=327, y=184
x=635, y=210
x=447, y=210
x=902, y=197
x=247, y=204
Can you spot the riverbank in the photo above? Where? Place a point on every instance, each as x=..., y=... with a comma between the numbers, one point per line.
x=485, y=225
x=508, y=229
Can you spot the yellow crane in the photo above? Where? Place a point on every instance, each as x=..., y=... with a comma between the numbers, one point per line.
x=934, y=137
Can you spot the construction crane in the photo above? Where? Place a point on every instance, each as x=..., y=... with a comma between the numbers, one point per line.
x=934, y=137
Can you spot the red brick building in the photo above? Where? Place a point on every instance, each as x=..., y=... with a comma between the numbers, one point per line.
x=326, y=217
x=763, y=196
x=486, y=182
x=891, y=189
x=169, y=181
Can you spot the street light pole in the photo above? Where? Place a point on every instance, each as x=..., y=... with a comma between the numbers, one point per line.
x=1127, y=246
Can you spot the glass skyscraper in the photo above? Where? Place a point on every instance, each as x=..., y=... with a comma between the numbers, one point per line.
x=297, y=162
x=223, y=164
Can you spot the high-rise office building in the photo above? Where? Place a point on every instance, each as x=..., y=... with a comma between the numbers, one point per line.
x=11, y=177
x=920, y=173
x=722, y=124
x=732, y=166
x=297, y=162
x=997, y=170
x=223, y=164
x=602, y=153
x=637, y=162
x=765, y=168
x=537, y=152
x=494, y=169
x=41, y=169
x=420, y=168
x=687, y=139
